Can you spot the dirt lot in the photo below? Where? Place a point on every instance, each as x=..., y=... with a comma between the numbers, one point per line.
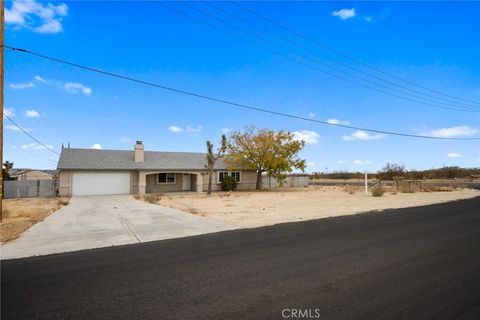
x=20, y=214
x=253, y=209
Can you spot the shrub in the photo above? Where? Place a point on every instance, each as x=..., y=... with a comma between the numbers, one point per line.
x=229, y=183
x=151, y=199
x=63, y=202
x=378, y=192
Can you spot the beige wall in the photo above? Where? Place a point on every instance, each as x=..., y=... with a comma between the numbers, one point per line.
x=154, y=187
x=134, y=182
x=65, y=183
x=35, y=175
x=248, y=180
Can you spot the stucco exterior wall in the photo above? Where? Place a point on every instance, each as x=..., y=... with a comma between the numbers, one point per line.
x=154, y=187
x=65, y=183
x=248, y=180
x=134, y=182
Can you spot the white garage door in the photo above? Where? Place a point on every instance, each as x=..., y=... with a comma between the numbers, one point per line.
x=91, y=183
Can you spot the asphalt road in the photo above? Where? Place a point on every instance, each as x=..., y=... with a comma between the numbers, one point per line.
x=417, y=263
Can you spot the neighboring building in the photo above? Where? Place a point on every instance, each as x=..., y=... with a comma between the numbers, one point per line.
x=31, y=174
x=291, y=180
x=91, y=171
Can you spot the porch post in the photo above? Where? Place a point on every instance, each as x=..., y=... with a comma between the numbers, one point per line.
x=199, y=184
x=142, y=183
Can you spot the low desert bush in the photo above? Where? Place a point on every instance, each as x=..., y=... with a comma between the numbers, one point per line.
x=378, y=192
x=5, y=213
x=349, y=189
x=63, y=202
x=152, y=199
x=229, y=183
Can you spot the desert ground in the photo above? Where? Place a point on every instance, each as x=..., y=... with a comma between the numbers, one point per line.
x=262, y=208
x=21, y=214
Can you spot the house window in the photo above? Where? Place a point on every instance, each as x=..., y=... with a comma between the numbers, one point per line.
x=236, y=175
x=166, y=177
x=223, y=174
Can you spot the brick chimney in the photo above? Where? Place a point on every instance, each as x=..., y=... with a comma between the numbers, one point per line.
x=139, y=156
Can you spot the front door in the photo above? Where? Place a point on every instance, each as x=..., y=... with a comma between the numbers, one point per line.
x=187, y=182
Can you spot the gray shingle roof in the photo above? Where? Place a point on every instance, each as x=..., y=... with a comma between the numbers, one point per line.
x=92, y=159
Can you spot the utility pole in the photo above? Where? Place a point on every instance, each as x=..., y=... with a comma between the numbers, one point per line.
x=2, y=29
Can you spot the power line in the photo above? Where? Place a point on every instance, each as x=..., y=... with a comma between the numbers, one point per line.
x=300, y=45
x=465, y=109
x=227, y=102
x=28, y=134
x=34, y=155
x=317, y=43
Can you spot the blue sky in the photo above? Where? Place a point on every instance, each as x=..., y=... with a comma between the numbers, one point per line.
x=430, y=43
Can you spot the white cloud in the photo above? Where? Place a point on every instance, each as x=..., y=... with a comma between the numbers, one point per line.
x=36, y=146
x=452, y=132
x=310, y=137
x=96, y=146
x=32, y=114
x=340, y=162
x=336, y=121
x=311, y=115
x=226, y=130
x=454, y=155
x=311, y=164
x=10, y=112
x=194, y=130
x=361, y=162
x=24, y=85
x=40, y=79
x=362, y=135
x=12, y=127
x=35, y=16
x=175, y=129
x=15, y=128
x=344, y=14
x=76, y=87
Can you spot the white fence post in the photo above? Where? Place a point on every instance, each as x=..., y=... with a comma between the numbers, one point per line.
x=366, y=183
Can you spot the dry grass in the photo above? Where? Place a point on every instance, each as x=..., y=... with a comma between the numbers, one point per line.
x=152, y=198
x=437, y=189
x=267, y=207
x=20, y=215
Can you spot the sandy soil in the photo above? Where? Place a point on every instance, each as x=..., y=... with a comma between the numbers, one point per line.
x=20, y=215
x=253, y=209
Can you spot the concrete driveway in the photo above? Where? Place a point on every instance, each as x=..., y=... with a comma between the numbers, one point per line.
x=102, y=221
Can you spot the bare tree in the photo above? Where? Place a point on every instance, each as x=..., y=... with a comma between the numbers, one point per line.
x=212, y=158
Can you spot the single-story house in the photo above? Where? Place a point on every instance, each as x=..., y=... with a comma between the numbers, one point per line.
x=32, y=174
x=92, y=172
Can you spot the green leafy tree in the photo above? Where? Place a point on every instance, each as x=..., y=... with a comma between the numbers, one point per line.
x=263, y=150
x=212, y=158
